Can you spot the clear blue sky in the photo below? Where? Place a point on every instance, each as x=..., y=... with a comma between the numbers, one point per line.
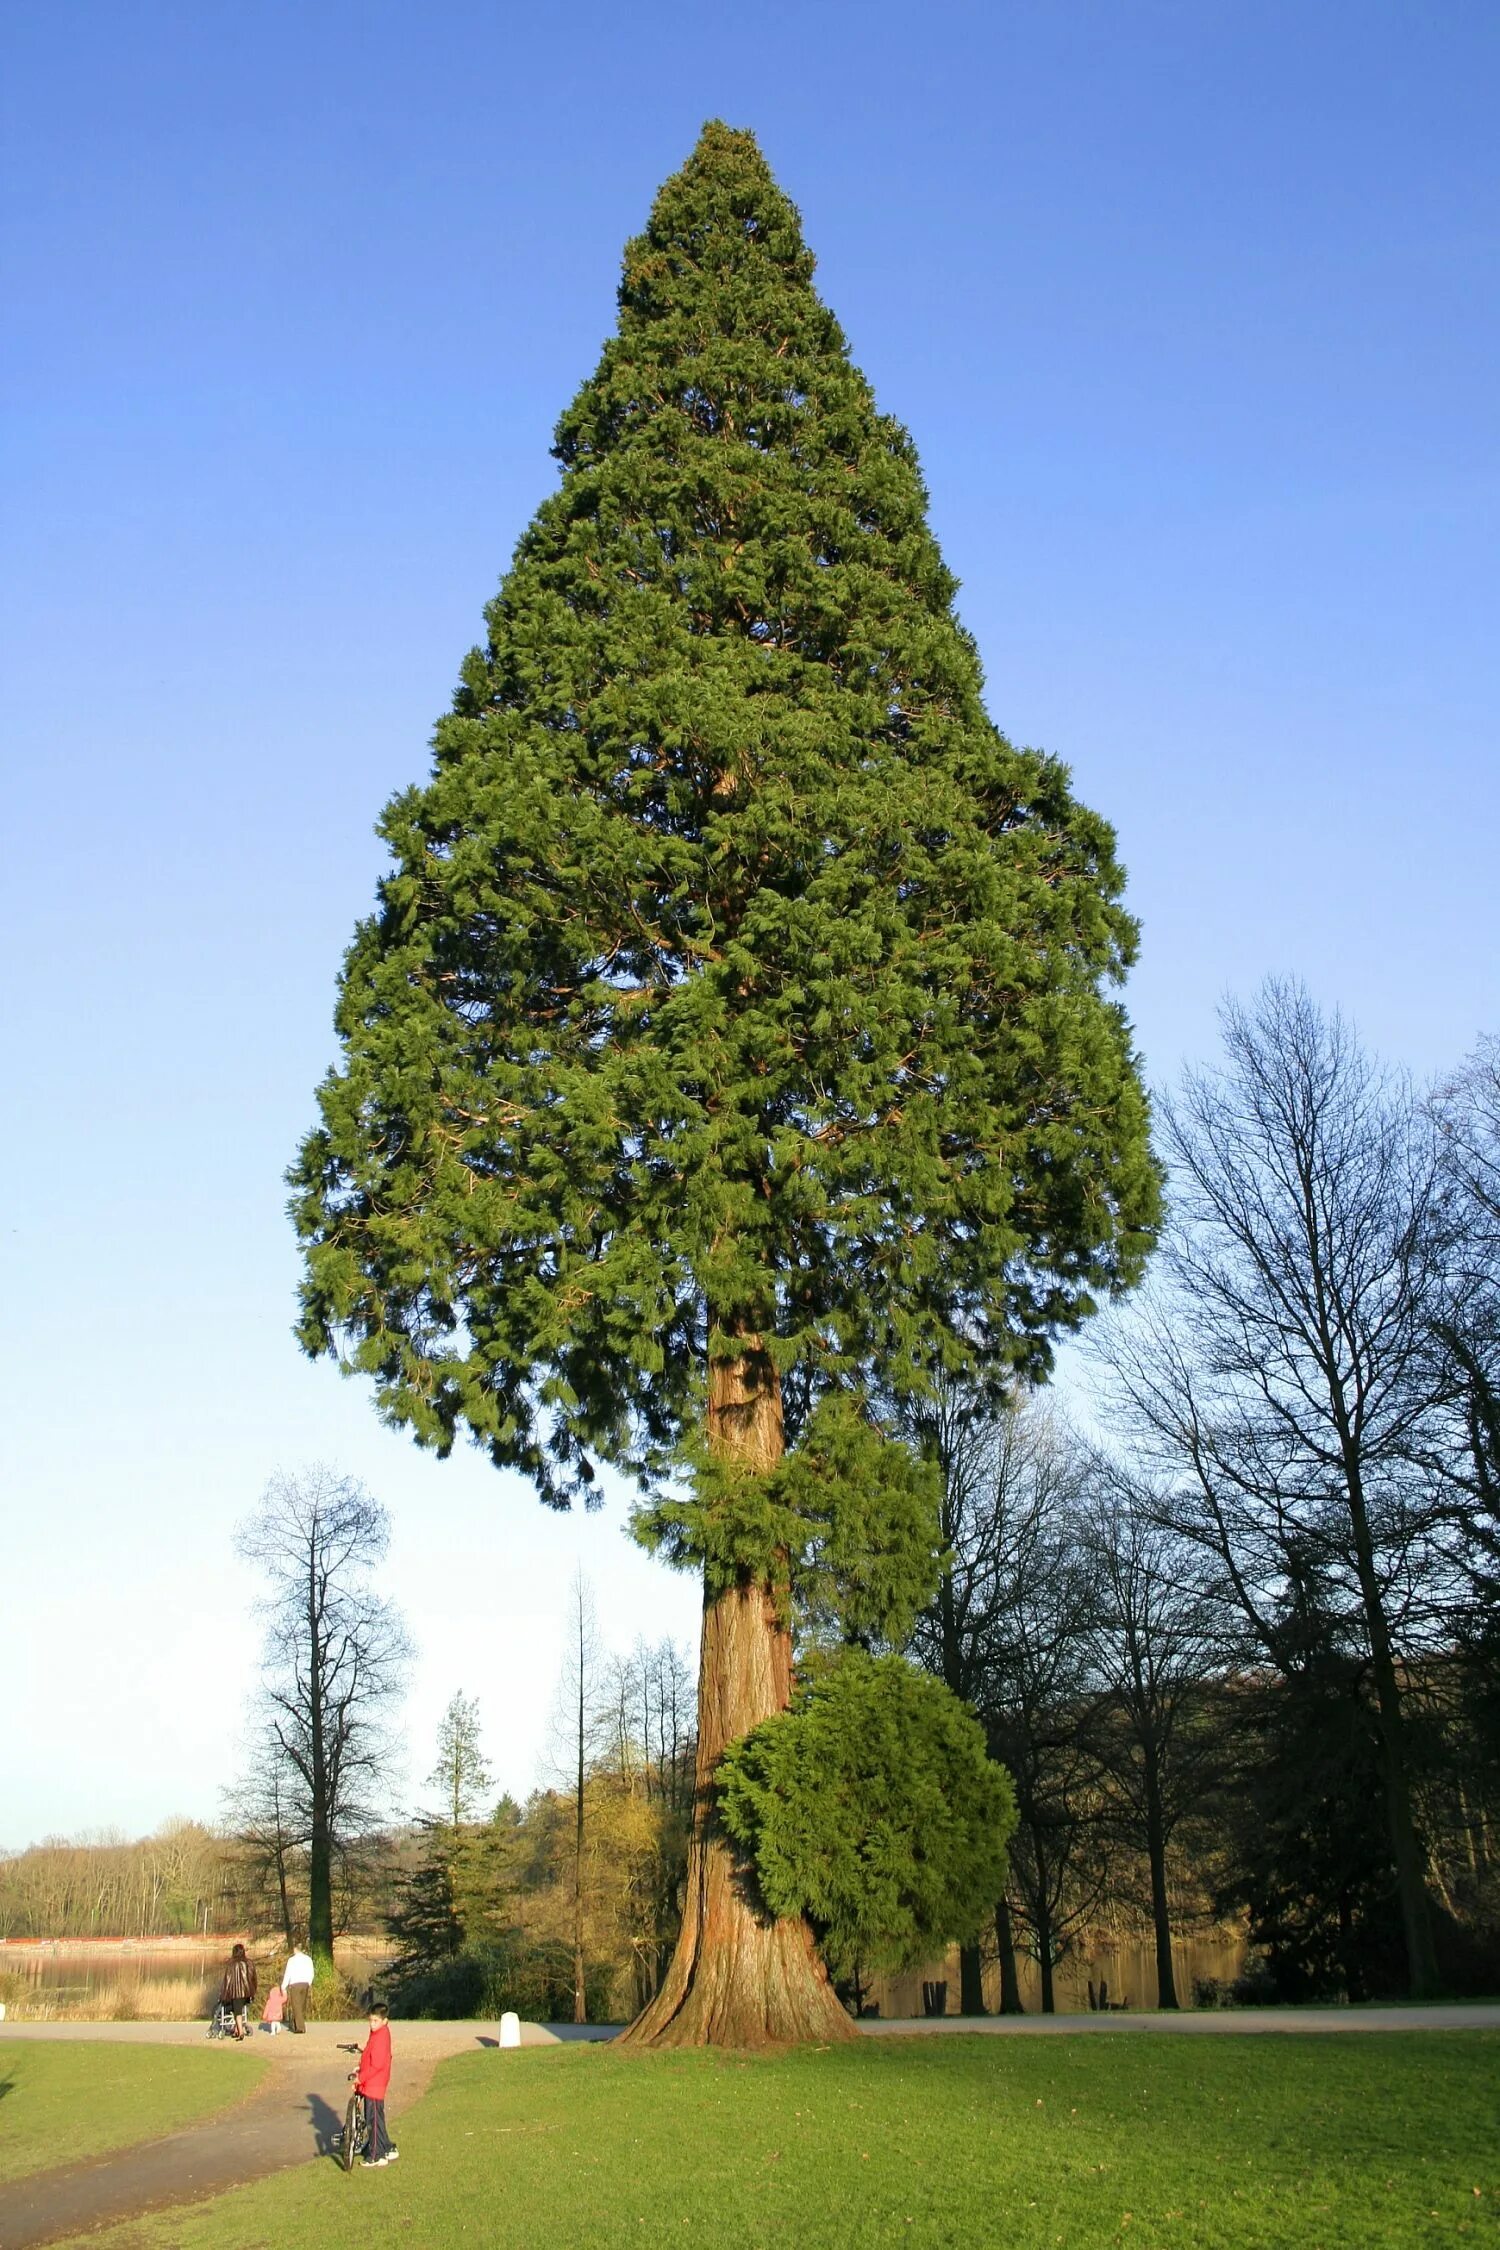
x=1192, y=311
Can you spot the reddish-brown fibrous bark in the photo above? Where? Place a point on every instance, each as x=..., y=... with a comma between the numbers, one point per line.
x=739, y=1977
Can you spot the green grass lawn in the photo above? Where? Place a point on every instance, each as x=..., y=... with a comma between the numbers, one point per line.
x=1375, y=2142
x=80, y=2098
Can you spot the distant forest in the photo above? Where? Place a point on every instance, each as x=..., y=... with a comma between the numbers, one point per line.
x=1236, y=1640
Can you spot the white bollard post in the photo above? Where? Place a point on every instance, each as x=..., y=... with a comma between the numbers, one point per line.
x=510, y=2029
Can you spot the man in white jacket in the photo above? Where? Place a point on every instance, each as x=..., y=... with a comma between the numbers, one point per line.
x=296, y=1984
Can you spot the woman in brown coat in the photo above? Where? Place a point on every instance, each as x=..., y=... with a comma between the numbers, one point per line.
x=238, y=1988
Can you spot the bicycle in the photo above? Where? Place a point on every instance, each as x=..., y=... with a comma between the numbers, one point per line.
x=350, y=2144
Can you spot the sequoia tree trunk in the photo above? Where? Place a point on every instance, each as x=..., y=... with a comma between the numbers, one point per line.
x=739, y=1977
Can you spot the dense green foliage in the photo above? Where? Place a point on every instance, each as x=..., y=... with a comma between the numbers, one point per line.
x=458, y=1884
x=734, y=973
x=1354, y=2143
x=461, y=1776
x=60, y=2104
x=872, y=1807
x=535, y=1978
x=851, y=1517
x=460, y=1923
x=1308, y=1854
x=485, y=1914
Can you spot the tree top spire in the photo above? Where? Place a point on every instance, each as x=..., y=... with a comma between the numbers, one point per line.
x=720, y=216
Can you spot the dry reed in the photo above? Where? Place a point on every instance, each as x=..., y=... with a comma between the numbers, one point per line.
x=184, y=1999
x=137, y=1999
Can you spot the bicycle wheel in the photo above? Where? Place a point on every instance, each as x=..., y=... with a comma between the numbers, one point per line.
x=354, y=2118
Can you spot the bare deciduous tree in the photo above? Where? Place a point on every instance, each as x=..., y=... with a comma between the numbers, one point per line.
x=102, y=1885
x=266, y=1810
x=1468, y=1118
x=1468, y=1455
x=1284, y=1374
x=1152, y=1648
x=578, y=1723
x=975, y=1446
x=335, y=1659
x=1008, y=1633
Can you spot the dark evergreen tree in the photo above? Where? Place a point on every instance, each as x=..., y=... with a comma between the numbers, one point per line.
x=734, y=1012
x=461, y=1775
x=873, y=1807
x=425, y=1920
x=454, y=1913
x=1309, y=1855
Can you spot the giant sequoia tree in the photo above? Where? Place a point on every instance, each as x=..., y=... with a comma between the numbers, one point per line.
x=731, y=1033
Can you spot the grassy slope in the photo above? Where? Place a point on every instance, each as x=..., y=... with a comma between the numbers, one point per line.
x=59, y=2103
x=1368, y=2143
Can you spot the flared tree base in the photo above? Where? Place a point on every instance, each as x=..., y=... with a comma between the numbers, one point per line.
x=778, y=1997
x=739, y=1977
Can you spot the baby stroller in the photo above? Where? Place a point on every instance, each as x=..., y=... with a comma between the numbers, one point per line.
x=221, y=2022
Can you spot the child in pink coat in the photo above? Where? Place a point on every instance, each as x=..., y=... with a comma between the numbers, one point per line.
x=270, y=2014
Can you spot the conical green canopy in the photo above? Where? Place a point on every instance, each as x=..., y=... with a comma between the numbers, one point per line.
x=734, y=975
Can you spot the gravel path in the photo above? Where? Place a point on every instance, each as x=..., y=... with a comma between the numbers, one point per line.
x=1204, y=2022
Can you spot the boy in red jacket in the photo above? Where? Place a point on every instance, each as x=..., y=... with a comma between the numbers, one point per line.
x=372, y=2079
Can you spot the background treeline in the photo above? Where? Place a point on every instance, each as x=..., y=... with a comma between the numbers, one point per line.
x=176, y=1883
x=185, y=1880
x=1231, y=1622
x=1240, y=1645
x=1235, y=1633
x=567, y=1907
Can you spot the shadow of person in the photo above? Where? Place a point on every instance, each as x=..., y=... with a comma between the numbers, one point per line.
x=7, y=2086
x=325, y=2122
